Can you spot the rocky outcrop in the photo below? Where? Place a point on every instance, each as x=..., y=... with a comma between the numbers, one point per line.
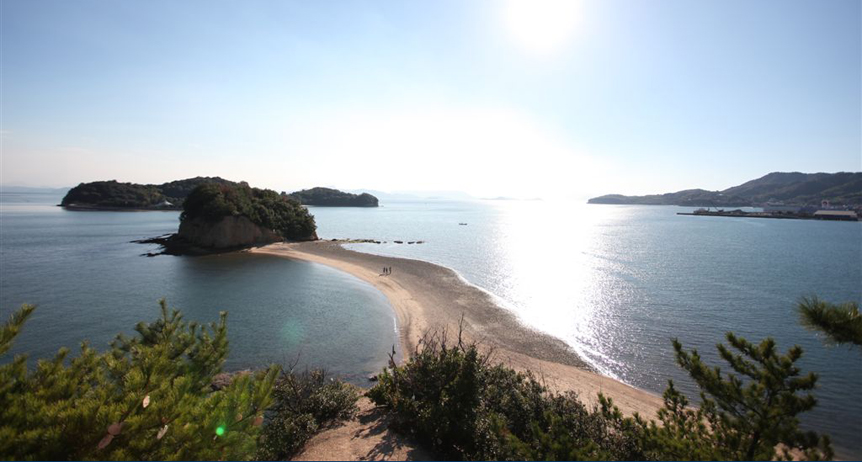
x=201, y=237
x=229, y=232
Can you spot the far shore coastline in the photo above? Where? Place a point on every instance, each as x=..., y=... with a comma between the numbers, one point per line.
x=428, y=297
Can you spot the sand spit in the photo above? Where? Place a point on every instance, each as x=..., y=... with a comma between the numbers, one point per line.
x=426, y=296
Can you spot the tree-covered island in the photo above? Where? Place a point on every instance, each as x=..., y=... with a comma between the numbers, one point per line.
x=327, y=197
x=220, y=217
x=113, y=195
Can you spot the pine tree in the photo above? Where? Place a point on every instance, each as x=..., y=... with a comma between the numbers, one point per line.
x=750, y=414
x=842, y=324
x=147, y=398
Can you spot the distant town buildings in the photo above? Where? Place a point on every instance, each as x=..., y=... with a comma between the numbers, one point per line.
x=848, y=215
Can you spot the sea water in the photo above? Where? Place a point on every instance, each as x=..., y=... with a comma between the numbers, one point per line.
x=615, y=282
x=618, y=282
x=90, y=282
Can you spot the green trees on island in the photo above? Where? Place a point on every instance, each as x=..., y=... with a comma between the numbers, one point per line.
x=211, y=202
x=113, y=194
x=333, y=198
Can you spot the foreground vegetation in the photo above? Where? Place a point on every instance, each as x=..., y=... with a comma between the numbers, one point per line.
x=841, y=324
x=454, y=399
x=153, y=397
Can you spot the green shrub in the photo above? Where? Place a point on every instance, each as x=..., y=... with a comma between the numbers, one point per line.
x=749, y=415
x=451, y=398
x=147, y=398
x=304, y=403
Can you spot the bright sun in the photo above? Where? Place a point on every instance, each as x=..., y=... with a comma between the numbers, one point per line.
x=541, y=26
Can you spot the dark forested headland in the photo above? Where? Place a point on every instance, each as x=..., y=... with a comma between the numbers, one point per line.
x=334, y=198
x=113, y=195
x=228, y=216
x=800, y=189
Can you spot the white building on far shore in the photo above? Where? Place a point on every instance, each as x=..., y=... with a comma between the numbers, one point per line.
x=848, y=215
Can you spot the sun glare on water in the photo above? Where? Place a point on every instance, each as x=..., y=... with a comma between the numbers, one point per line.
x=541, y=26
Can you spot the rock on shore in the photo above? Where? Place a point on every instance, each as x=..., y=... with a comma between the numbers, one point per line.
x=229, y=232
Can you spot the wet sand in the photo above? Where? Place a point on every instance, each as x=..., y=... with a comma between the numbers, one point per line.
x=428, y=297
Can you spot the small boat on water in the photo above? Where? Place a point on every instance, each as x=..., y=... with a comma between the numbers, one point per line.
x=463, y=224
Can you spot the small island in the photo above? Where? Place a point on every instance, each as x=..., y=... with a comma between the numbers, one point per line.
x=224, y=217
x=116, y=196
x=327, y=197
x=113, y=195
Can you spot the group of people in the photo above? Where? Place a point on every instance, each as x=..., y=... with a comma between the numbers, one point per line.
x=387, y=270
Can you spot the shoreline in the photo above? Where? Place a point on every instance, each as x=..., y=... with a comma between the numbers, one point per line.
x=427, y=297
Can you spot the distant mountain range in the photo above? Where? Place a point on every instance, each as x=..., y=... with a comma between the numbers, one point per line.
x=793, y=188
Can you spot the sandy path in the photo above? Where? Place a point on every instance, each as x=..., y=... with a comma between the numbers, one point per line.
x=427, y=296
x=366, y=437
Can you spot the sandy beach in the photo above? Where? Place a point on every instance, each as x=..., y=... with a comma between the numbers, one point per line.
x=426, y=297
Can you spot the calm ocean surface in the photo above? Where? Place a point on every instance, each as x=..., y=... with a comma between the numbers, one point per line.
x=619, y=282
x=615, y=282
x=90, y=282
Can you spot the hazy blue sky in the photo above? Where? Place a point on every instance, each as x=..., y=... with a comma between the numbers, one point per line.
x=490, y=97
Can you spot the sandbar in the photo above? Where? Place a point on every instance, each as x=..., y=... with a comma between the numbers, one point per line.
x=428, y=297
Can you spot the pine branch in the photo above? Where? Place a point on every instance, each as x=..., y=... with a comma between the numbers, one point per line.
x=842, y=324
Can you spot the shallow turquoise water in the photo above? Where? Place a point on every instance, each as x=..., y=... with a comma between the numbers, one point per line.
x=90, y=282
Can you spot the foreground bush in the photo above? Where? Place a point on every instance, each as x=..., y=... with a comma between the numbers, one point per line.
x=303, y=404
x=147, y=398
x=451, y=398
x=750, y=414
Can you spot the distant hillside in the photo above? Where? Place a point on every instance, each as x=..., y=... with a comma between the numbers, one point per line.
x=689, y=197
x=333, y=198
x=803, y=188
x=113, y=194
x=793, y=188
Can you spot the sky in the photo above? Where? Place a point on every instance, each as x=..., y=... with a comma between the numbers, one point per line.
x=534, y=98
